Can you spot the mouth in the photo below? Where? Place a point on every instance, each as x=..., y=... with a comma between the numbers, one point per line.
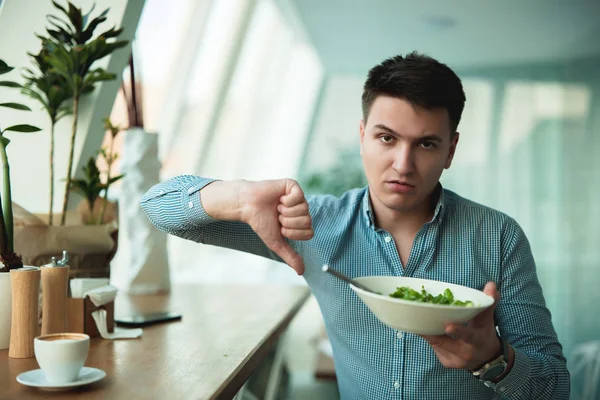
x=405, y=183
x=400, y=186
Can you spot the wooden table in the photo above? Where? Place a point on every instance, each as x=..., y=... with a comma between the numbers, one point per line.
x=225, y=333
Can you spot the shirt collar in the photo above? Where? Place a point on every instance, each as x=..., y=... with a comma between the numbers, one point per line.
x=441, y=205
x=366, y=207
x=438, y=213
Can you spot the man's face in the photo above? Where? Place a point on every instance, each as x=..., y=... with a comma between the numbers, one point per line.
x=404, y=149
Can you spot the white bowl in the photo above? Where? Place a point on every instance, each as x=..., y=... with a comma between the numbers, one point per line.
x=417, y=317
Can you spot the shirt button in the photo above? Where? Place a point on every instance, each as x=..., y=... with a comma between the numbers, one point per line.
x=399, y=335
x=190, y=190
x=388, y=239
x=502, y=389
x=191, y=204
x=162, y=192
x=396, y=384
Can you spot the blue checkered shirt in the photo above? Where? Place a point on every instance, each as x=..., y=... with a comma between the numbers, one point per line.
x=465, y=243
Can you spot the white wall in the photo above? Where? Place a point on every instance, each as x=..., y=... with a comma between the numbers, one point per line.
x=29, y=153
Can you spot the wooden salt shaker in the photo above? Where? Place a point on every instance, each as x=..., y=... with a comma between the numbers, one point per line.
x=25, y=284
x=55, y=282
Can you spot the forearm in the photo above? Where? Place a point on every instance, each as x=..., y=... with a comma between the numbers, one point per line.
x=223, y=200
x=206, y=211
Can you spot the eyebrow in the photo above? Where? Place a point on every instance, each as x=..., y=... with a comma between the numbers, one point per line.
x=434, y=138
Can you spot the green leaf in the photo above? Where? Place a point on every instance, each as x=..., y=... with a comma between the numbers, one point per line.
x=61, y=8
x=61, y=27
x=87, y=90
x=75, y=17
x=112, y=32
x=86, y=16
x=4, y=68
x=10, y=84
x=58, y=35
x=110, y=47
x=16, y=106
x=4, y=140
x=23, y=128
x=89, y=31
x=116, y=178
x=63, y=112
x=33, y=94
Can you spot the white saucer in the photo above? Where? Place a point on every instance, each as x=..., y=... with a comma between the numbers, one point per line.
x=36, y=378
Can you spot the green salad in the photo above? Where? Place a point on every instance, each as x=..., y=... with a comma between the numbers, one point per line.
x=446, y=298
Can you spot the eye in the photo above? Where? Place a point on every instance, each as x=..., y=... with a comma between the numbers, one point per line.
x=428, y=144
x=386, y=138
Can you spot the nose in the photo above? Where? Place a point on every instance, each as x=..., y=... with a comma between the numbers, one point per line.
x=404, y=160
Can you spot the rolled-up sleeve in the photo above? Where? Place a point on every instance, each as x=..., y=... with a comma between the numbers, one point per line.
x=174, y=206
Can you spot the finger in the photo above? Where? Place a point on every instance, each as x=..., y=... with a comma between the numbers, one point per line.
x=288, y=255
x=461, y=332
x=449, y=359
x=456, y=352
x=303, y=222
x=488, y=314
x=444, y=342
x=491, y=290
x=295, y=211
x=298, y=234
x=437, y=340
x=294, y=197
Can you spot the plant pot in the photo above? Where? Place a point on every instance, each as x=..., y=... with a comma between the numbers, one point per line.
x=5, y=309
x=90, y=247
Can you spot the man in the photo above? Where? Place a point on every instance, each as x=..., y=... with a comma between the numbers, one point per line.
x=403, y=224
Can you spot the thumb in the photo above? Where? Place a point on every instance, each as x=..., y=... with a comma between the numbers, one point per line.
x=288, y=255
x=490, y=290
x=293, y=194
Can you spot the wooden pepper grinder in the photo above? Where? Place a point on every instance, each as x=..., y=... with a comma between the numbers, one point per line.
x=25, y=301
x=55, y=282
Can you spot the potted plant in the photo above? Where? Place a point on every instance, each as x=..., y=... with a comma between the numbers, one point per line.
x=73, y=54
x=92, y=186
x=50, y=89
x=8, y=257
x=63, y=71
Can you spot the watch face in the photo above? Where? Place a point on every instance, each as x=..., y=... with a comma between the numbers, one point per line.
x=493, y=372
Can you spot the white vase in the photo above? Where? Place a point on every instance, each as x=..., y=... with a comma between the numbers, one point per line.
x=5, y=309
x=141, y=265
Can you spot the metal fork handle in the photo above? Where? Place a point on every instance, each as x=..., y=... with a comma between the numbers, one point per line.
x=327, y=268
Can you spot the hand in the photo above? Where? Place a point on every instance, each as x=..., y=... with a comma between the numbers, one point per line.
x=274, y=210
x=475, y=344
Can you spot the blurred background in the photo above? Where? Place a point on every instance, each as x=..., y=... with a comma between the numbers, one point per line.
x=263, y=89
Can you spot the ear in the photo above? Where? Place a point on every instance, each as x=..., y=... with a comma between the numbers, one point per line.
x=452, y=150
x=362, y=135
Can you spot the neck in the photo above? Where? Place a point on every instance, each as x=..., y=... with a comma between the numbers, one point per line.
x=405, y=220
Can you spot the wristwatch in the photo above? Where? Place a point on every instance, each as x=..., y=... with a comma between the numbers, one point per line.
x=493, y=369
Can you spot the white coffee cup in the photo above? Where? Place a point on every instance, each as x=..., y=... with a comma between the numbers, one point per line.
x=61, y=355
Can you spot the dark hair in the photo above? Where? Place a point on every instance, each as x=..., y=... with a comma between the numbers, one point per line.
x=418, y=79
